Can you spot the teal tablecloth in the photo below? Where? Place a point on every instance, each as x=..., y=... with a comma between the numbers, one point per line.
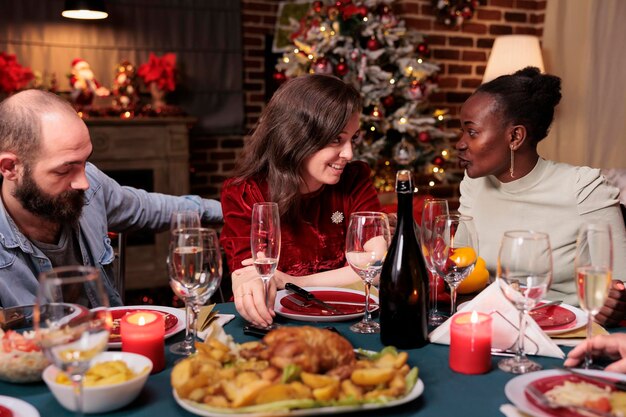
x=446, y=393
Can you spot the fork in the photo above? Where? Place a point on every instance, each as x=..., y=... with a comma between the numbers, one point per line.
x=547, y=402
x=345, y=303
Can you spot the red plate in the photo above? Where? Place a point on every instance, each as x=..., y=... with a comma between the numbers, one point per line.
x=170, y=321
x=546, y=384
x=553, y=316
x=334, y=298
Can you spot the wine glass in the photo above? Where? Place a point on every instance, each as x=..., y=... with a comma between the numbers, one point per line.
x=454, y=250
x=185, y=219
x=185, y=260
x=69, y=340
x=433, y=207
x=265, y=242
x=367, y=241
x=524, y=276
x=594, y=267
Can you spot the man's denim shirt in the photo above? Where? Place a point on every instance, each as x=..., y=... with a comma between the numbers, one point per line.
x=109, y=207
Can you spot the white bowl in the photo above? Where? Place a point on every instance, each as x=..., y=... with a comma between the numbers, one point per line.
x=106, y=398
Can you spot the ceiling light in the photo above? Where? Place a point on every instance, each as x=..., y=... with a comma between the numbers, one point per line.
x=84, y=9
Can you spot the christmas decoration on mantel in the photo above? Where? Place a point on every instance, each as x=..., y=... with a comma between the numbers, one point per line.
x=159, y=75
x=13, y=76
x=365, y=44
x=454, y=12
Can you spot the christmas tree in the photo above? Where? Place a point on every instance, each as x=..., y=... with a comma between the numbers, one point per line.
x=365, y=44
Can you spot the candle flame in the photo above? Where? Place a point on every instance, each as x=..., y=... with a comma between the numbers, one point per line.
x=142, y=321
x=474, y=317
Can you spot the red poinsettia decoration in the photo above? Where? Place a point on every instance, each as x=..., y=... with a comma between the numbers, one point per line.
x=13, y=76
x=160, y=70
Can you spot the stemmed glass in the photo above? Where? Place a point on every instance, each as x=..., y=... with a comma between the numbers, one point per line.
x=594, y=267
x=367, y=241
x=208, y=280
x=433, y=207
x=69, y=340
x=524, y=276
x=265, y=242
x=454, y=250
x=185, y=269
x=185, y=219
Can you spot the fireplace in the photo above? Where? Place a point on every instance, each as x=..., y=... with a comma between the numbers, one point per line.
x=151, y=154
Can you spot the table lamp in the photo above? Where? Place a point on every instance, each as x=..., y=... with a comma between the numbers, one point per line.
x=511, y=53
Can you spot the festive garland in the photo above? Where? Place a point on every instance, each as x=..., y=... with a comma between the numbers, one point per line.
x=454, y=12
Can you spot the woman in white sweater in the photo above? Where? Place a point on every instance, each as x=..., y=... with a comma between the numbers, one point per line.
x=508, y=186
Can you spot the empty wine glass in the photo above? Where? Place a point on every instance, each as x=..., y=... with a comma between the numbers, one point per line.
x=209, y=279
x=594, y=268
x=524, y=275
x=454, y=250
x=69, y=340
x=185, y=262
x=185, y=219
x=433, y=207
x=367, y=241
x=265, y=242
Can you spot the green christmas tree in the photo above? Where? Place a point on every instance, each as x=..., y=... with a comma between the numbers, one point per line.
x=365, y=44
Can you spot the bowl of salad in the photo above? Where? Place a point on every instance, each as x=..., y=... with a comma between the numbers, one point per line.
x=21, y=359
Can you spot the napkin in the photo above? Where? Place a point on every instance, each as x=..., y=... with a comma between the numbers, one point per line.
x=216, y=326
x=574, y=337
x=504, y=326
x=205, y=316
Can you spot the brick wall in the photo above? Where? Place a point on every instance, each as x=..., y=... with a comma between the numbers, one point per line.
x=461, y=52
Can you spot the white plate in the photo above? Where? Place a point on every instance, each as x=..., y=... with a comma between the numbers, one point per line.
x=20, y=408
x=294, y=315
x=178, y=313
x=199, y=410
x=514, y=389
x=580, y=321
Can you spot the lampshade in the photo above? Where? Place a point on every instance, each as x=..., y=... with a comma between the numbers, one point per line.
x=85, y=9
x=511, y=53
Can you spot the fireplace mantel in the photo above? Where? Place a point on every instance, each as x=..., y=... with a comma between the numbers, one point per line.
x=160, y=146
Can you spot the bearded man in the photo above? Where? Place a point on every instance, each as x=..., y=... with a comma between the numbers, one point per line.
x=56, y=207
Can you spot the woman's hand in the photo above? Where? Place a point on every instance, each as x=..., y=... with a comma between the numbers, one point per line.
x=249, y=294
x=614, y=309
x=611, y=346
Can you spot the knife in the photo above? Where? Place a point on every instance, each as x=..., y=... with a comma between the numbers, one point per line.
x=618, y=385
x=310, y=297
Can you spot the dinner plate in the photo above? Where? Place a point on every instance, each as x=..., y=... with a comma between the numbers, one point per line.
x=198, y=409
x=580, y=320
x=332, y=295
x=19, y=408
x=515, y=389
x=175, y=320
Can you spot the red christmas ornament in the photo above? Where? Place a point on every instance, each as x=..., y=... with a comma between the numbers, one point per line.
x=317, y=6
x=422, y=48
x=279, y=77
x=341, y=69
x=373, y=44
x=439, y=161
x=424, y=137
x=389, y=101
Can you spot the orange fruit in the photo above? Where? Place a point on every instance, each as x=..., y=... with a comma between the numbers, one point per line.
x=463, y=256
x=476, y=280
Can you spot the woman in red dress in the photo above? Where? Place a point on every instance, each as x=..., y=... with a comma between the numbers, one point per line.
x=298, y=157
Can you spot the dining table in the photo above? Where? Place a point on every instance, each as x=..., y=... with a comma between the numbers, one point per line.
x=446, y=393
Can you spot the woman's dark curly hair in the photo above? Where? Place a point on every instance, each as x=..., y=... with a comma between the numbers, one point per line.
x=305, y=114
x=527, y=98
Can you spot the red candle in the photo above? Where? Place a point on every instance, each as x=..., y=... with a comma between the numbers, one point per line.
x=143, y=332
x=470, y=343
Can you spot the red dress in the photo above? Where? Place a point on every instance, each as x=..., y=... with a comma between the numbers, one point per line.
x=318, y=243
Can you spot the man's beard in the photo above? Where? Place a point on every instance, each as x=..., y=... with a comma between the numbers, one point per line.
x=63, y=208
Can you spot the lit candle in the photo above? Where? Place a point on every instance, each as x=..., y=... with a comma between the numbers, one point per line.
x=143, y=332
x=470, y=343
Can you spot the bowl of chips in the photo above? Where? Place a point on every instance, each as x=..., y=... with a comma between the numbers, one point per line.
x=114, y=380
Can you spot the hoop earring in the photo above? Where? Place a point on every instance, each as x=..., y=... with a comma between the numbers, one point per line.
x=512, y=163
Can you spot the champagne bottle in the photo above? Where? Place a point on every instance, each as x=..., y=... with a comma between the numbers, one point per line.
x=404, y=279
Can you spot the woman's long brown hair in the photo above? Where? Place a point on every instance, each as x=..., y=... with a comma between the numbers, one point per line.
x=304, y=115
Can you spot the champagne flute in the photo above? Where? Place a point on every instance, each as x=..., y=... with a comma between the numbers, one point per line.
x=71, y=341
x=433, y=207
x=367, y=241
x=185, y=266
x=524, y=276
x=454, y=250
x=594, y=267
x=265, y=242
x=185, y=219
